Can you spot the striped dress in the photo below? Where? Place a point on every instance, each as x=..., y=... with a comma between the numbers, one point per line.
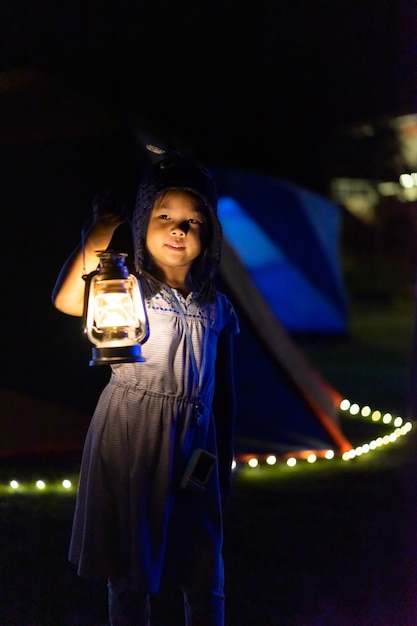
x=132, y=519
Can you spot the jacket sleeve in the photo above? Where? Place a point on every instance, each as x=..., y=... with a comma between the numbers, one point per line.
x=224, y=409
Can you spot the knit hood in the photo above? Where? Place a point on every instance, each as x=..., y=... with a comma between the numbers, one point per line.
x=175, y=171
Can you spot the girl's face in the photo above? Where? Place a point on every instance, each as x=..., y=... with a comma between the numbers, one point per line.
x=176, y=231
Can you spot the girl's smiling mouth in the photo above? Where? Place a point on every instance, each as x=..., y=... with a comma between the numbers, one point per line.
x=175, y=246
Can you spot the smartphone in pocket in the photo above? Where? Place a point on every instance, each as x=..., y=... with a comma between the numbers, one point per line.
x=198, y=470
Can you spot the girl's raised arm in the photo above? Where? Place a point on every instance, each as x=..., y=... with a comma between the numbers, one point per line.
x=68, y=292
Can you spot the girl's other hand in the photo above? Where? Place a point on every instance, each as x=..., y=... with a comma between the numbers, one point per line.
x=108, y=210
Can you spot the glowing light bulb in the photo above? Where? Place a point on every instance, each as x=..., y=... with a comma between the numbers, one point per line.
x=399, y=429
x=406, y=181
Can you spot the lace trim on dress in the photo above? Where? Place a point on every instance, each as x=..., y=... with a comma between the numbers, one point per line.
x=164, y=301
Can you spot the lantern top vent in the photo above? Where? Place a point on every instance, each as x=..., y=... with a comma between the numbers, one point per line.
x=112, y=264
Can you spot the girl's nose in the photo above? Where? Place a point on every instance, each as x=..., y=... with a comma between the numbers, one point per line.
x=180, y=229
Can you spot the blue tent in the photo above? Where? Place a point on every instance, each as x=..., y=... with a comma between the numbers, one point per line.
x=288, y=239
x=280, y=265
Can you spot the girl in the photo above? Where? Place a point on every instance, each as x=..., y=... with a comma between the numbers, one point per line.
x=139, y=514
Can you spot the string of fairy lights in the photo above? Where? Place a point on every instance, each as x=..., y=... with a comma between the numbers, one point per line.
x=398, y=428
x=396, y=425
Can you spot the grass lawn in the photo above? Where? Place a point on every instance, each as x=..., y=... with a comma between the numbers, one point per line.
x=323, y=545
x=330, y=544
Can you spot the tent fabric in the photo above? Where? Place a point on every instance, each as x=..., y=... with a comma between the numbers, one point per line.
x=272, y=415
x=33, y=425
x=280, y=264
x=283, y=405
x=288, y=238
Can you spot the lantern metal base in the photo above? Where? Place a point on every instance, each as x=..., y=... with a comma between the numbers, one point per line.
x=119, y=354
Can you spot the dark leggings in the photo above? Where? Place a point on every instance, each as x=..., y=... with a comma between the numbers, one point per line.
x=128, y=608
x=132, y=608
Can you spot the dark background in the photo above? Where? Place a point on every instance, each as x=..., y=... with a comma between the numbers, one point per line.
x=256, y=84
x=261, y=85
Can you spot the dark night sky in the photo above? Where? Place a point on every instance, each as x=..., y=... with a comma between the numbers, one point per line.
x=261, y=85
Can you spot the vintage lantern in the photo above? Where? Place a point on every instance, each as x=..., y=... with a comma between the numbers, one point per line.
x=115, y=319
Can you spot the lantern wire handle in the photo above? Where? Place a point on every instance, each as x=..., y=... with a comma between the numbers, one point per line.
x=83, y=239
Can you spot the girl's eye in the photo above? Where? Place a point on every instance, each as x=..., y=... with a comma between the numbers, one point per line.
x=164, y=217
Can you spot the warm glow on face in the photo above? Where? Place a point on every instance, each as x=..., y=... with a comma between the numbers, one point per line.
x=176, y=232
